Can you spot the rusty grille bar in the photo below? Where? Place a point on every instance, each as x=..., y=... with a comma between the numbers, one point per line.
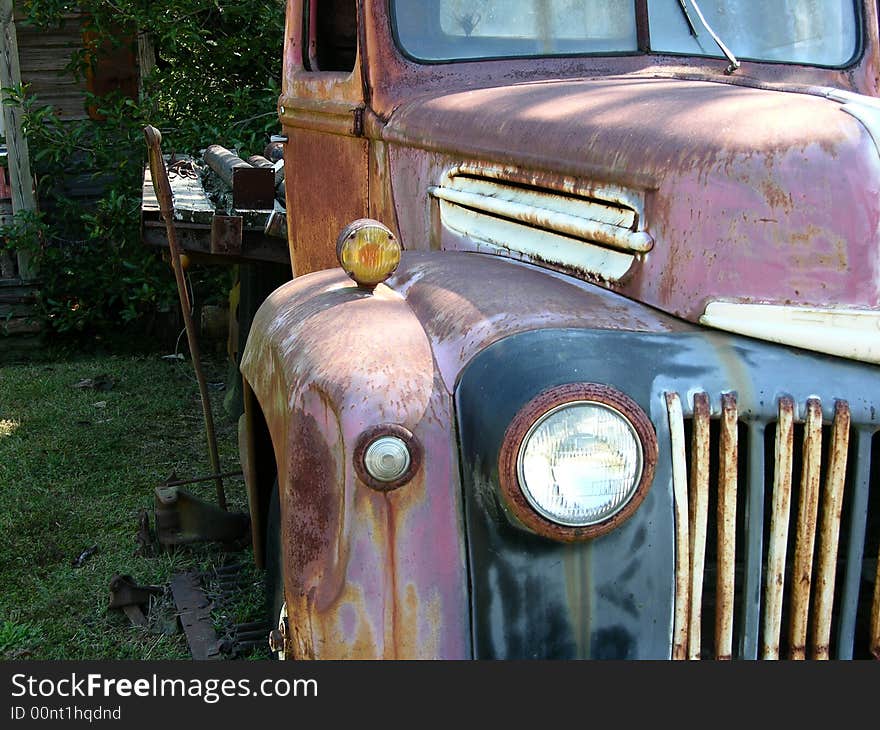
x=808, y=510
x=779, y=518
x=699, y=517
x=727, y=487
x=829, y=535
x=771, y=580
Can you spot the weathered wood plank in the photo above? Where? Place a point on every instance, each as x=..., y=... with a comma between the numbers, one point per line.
x=20, y=176
x=44, y=56
x=196, y=239
x=11, y=288
x=20, y=326
x=10, y=311
x=8, y=265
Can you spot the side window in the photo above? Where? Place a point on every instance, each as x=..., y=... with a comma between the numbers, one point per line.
x=331, y=29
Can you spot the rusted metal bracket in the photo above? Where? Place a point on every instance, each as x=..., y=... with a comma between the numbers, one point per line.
x=194, y=610
x=182, y=519
x=358, y=122
x=129, y=597
x=245, y=638
x=226, y=235
x=276, y=226
x=144, y=536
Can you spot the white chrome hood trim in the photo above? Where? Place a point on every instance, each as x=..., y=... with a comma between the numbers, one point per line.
x=849, y=333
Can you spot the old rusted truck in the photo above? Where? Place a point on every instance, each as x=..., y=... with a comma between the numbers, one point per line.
x=618, y=395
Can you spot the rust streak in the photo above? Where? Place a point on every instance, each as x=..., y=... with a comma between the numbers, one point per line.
x=808, y=507
x=875, y=614
x=727, y=486
x=699, y=516
x=779, y=520
x=832, y=507
x=682, y=540
x=391, y=588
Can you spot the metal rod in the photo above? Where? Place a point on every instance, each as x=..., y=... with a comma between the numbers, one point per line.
x=159, y=175
x=779, y=520
x=208, y=478
x=734, y=63
x=829, y=533
x=682, y=541
x=224, y=162
x=687, y=17
x=699, y=515
x=808, y=507
x=727, y=485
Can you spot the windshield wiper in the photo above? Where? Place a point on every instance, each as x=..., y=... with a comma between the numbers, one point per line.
x=734, y=63
x=687, y=17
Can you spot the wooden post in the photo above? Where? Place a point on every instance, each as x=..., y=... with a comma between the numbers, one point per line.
x=146, y=59
x=20, y=177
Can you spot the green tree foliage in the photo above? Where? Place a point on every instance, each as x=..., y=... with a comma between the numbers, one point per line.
x=216, y=81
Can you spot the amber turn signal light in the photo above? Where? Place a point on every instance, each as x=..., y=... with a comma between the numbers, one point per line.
x=368, y=252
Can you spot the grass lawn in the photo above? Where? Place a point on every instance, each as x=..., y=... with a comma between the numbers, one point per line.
x=76, y=466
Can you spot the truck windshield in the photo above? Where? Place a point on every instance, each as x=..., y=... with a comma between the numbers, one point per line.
x=813, y=32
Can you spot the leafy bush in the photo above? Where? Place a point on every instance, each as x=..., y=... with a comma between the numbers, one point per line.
x=216, y=80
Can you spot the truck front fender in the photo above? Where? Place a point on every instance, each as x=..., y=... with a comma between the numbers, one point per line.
x=367, y=573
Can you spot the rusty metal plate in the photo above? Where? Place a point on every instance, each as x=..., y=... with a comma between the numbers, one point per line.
x=322, y=204
x=253, y=188
x=226, y=234
x=194, y=610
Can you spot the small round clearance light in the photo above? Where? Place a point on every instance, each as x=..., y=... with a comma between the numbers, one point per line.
x=368, y=252
x=577, y=461
x=387, y=457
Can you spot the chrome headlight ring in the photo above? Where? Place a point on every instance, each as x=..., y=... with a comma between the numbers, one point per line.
x=581, y=430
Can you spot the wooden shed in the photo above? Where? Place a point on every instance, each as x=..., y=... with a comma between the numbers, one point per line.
x=39, y=58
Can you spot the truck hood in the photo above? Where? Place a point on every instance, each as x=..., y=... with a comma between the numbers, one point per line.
x=751, y=195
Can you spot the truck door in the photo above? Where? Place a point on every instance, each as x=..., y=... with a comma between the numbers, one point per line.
x=321, y=112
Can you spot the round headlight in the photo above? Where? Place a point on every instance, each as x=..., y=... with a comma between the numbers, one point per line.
x=577, y=461
x=368, y=252
x=580, y=463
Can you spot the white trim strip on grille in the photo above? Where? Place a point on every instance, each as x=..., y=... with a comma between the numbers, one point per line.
x=680, y=496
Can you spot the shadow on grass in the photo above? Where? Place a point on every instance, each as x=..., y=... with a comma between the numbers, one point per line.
x=76, y=466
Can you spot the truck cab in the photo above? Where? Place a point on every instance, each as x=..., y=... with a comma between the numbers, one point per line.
x=579, y=358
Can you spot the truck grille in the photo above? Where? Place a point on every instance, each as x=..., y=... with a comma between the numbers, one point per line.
x=776, y=533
